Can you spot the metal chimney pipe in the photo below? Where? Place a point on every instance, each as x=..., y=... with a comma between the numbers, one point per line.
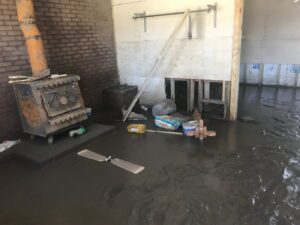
x=34, y=42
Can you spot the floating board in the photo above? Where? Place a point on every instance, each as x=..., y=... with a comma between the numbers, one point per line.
x=92, y=155
x=131, y=167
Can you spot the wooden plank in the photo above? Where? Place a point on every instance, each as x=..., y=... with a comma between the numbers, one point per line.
x=213, y=101
x=297, y=77
x=245, y=73
x=261, y=74
x=188, y=82
x=278, y=75
x=227, y=98
x=207, y=89
x=192, y=96
x=172, y=89
x=236, y=58
x=200, y=96
x=223, y=90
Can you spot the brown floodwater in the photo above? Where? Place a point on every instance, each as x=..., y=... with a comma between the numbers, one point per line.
x=248, y=174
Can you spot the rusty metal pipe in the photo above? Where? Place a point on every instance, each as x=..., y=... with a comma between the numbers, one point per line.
x=34, y=42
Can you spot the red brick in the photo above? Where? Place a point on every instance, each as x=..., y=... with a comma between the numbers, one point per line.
x=78, y=36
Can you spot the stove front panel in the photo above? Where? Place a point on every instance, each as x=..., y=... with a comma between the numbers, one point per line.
x=62, y=99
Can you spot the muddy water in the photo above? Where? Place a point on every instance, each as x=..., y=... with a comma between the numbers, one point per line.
x=251, y=177
x=248, y=174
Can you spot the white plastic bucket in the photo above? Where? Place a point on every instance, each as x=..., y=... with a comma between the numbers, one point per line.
x=189, y=126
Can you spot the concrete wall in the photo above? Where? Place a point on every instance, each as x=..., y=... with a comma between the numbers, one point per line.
x=270, y=74
x=271, y=32
x=271, y=42
x=78, y=38
x=206, y=56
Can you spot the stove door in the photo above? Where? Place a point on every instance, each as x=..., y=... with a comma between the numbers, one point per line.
x=62, y=99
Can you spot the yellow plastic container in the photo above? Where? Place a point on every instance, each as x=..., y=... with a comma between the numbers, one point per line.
x=137, y=128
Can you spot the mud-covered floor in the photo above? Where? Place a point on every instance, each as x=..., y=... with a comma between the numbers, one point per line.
x=248, y=174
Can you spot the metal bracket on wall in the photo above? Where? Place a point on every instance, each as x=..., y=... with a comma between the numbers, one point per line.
x=144, y=16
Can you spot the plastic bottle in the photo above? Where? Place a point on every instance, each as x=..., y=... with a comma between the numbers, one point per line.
x=137, y=128
x=78, y=132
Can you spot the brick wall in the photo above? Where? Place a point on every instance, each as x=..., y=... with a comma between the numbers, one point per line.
x=78, y=38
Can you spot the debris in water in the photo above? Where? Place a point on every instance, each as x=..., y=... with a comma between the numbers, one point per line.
x=167, y=122
x=77, y=132
x=93, y=155
x=131, y=167
x=8, y=144
x=200, y=130
x=165, y=132
x=137, y=128
x=134, y=116
x=166, y=107
x=189, y=127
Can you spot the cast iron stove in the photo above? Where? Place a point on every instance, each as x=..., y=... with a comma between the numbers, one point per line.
x=49, y=106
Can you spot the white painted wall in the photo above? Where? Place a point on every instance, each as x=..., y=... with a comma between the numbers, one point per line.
x=207, y=56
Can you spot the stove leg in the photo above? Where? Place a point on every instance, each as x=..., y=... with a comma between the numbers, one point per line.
x=50, y=140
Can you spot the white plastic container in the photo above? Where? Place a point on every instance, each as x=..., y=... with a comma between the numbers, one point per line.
x=189, y=126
